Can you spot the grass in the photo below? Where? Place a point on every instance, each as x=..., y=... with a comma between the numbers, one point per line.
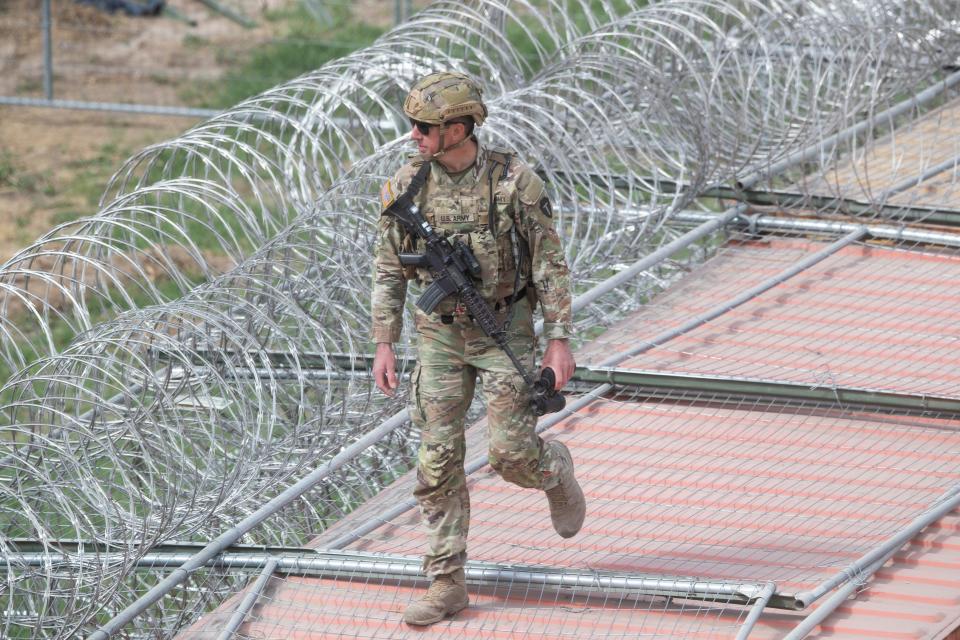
x=7, y=169
x=304, y=44
x=13, y=176
x=76, y=197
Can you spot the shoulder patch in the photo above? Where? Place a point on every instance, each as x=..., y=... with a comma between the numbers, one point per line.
x=545, y=207
x=388, y=194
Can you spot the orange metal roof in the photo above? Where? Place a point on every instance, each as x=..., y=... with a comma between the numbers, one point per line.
x=868, y=317
x=710, y=486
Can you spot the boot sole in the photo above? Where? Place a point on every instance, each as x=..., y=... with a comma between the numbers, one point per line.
x=446, y=614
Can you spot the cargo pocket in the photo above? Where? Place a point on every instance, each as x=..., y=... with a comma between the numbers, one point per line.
x=521, y=394
x=417, y=414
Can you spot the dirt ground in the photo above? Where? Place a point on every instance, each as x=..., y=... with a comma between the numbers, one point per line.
x=54, y=163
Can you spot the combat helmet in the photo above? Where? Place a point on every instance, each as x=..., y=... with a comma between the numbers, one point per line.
x=441, y=97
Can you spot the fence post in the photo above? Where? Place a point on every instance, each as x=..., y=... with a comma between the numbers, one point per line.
x=47, y=50
x=402, y=10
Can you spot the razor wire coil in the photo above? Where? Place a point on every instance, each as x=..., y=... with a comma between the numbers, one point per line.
x=163, y=420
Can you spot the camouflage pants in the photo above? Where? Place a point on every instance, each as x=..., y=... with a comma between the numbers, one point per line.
x=450, y=357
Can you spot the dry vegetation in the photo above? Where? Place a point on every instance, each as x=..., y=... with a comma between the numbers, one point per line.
x=54, y=163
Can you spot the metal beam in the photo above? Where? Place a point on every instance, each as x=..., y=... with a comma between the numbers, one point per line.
x=46, y=25
x=81, y=105
x=847, y=206
x=249, y=600
x=230, y=537
x=770, y=389
x=858, y=573
x=825, y=145
x=804, y=225
x=662, y=380
x=759, y=604
x=797, y=200
x=743, y=298
x=949, y=501
x=339, y=564
x=910, y=183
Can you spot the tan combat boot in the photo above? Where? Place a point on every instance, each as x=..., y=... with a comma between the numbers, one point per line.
x=567, y=504
x=447, y=595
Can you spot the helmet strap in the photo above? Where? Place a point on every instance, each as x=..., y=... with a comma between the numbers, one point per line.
x=443, y=150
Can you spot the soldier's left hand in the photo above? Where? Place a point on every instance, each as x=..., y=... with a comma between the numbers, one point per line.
x=559, y=358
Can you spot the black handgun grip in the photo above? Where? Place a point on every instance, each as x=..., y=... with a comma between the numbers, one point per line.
x=546, y=399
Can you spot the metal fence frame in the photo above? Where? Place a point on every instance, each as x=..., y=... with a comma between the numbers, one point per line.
x=403, y=9
x=758, y=596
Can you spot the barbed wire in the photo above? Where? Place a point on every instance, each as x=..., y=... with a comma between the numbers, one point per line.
x=219, y=298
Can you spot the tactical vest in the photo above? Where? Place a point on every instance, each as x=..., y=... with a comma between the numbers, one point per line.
x=482, y=215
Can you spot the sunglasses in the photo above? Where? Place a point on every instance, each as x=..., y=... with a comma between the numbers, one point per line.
x=422, y=127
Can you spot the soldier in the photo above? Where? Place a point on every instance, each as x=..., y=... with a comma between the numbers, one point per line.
x=497, y=205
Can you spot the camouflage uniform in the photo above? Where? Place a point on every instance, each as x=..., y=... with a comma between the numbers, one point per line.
x=451, y=355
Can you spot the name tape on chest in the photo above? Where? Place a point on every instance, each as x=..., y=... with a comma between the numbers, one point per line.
x=456, y=217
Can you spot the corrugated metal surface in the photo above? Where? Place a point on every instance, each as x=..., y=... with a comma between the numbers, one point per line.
x=716, y=487
x=674, y=491
x=869, y=317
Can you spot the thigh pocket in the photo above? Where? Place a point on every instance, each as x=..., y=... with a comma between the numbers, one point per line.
x=508, y=397
x=521, y=392
x=416, y=406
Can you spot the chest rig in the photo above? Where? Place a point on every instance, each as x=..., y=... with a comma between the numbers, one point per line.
x=481, y=216
x=456, y=268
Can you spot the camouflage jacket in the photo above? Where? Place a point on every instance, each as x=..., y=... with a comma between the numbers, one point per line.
x=459, y=207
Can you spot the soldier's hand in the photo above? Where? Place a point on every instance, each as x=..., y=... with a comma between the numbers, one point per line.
x=559, y=358
x=385, y=369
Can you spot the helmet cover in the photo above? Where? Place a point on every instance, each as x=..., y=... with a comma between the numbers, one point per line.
x=444, y=96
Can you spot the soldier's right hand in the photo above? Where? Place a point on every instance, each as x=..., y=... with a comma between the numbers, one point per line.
x=385, y=369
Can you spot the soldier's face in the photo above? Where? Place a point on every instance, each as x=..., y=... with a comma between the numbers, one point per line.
x=427, y=143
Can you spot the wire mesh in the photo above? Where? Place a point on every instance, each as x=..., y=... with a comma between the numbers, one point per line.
x=846, y=322
x=165, y=419
x=912, y=166
x=364, y=607
x=696, y=483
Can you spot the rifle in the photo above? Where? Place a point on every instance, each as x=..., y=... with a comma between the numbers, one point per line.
x=454, y=266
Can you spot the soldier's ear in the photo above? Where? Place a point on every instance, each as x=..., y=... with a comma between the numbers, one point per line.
x=453, y=132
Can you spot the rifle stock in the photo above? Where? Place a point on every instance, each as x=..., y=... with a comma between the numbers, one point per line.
x=414, y=260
